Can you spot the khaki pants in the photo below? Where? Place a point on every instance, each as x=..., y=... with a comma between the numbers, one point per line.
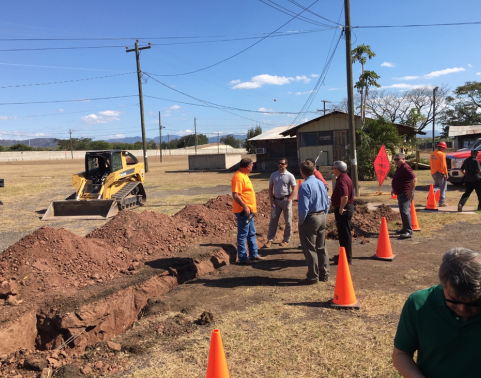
x=313, y=241
x=282, y=206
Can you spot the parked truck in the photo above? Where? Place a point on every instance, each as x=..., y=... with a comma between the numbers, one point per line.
x=454, y=161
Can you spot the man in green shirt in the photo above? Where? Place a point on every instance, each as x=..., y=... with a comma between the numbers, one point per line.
x=443, y=323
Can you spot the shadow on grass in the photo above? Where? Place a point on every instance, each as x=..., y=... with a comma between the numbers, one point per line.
x=325, y=304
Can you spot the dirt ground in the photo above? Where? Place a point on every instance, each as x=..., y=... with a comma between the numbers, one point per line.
x=252, y=305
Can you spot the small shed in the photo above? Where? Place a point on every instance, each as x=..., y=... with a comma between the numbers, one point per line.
x=464, y=136
x=330, y=134
x=271, y=146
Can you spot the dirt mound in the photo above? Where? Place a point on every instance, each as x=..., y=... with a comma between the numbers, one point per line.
x=56, y=258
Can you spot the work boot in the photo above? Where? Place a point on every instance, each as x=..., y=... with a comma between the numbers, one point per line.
x=442, y=205
x=268, y=244
x=284, y=243
x=460, y=207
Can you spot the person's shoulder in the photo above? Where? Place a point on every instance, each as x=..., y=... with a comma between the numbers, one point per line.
x=419, y=298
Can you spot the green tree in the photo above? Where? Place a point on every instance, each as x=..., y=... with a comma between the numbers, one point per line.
x=21, y=147
x=189, y=140
x=2, y=148
x=366, y=80
x=230, y=140
x=464, y=108
x=138, y=145
x=251, y=133
x=78, y=144
x=122, y=146
x=414, y=118
x=360, y=54
x=98, y=145
x=151, y=145
x=375, y=133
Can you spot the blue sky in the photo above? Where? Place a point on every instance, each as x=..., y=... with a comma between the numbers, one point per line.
x=94, y=90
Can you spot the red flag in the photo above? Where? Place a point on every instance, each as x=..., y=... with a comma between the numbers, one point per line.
x=382, y=165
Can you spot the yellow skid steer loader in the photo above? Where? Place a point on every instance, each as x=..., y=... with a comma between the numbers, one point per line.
x=112, y=181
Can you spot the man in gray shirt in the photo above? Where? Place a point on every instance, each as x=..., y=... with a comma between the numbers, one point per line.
x=282, y=188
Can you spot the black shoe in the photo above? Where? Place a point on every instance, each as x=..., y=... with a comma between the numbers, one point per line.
x=305, y=281
x=406, y=235
x=399, y=232
x=460, y=208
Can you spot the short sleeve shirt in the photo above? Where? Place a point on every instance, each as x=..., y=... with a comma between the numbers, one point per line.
x=471, y=168
x=343, y=188
x=282, y=182
x=437, y=161
x=401, y=181
x=241, y=183
x=447, y=346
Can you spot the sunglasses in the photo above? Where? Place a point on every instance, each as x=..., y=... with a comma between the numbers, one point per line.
x=476, y=304
x=282, y=163
x=397, y=159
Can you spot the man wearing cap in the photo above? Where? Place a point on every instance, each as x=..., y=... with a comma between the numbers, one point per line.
x=313, y=205
x=443, y=323
x=282, y=188
x=403, y=184
x=471, y=169
x=245, y=204
x=439, y=171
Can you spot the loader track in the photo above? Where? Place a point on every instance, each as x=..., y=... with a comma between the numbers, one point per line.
x=124, y=197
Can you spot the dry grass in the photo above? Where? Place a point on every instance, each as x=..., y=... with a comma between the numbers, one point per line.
x=292, y=336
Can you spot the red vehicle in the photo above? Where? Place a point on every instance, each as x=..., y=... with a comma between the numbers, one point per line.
x=454, y=161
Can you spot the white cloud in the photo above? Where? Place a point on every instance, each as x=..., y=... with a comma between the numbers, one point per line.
x=265, y=79
x=61, y=110
x=265, y=110
x=303, y=93
x=314, y=75
x=405, y=86
x=303, y=78
x=387, y=64
x=106, y=116
x=5, y=118
x=334, y=89
x=478, y=73
x=407, y=78
x=175, y=107
x=444, y=72
x=470, y=66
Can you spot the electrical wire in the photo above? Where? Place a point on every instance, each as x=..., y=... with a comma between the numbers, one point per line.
x=65, y=68
x=56, y=101
x=418, y=25
x=314, y=13
x=247, y=48
x=284, y=10
x=66, y=81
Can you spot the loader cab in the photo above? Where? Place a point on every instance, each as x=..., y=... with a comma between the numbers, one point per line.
x=100, y=164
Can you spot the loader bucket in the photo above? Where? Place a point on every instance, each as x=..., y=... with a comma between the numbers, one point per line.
x=83, y=209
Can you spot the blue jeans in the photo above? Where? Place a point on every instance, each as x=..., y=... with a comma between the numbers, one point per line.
x=405, y=210
x=440, y=183
x=246, y=231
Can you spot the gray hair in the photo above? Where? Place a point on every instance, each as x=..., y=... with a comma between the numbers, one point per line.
x=340, y=165
x=461, y=268
x=401, y=155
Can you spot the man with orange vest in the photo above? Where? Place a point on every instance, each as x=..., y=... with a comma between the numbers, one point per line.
x=439, y=171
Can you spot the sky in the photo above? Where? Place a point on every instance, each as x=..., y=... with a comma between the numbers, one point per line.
x=230, y=65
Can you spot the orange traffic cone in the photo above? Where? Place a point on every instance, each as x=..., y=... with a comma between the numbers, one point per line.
x=414, y=218
x=217, y=365
x=383, y=250
x=298, y=187
x=431, y=205
x=344, y=295
x=393, y=196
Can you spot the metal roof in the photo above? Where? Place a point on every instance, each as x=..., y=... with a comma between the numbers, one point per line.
x=273, y=134
x=464, y=130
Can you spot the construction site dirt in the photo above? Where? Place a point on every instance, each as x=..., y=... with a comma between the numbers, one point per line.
x=63, y=293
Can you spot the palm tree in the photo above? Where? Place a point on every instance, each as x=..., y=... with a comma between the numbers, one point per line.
x=366, y=80
x=360, y=54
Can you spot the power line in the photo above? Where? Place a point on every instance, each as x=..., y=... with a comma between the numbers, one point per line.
x=314, y=13
x=284, y=10
x=247, y=48
x=56, y=101
x=62, y=48
x=418, y=25
x=65, y=68
x=66, y=81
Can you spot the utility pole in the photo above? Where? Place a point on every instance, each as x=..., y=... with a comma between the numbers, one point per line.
x=160, y=137
x=70, y=131
x=350, y=99
x=218, y=145
x=434, y=111
x=141, y=97
x=195, y=130
x=324, y=101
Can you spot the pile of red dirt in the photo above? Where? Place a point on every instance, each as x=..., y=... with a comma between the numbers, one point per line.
x=56, y=258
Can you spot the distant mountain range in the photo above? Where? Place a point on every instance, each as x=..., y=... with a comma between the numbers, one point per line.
x=50, y=143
